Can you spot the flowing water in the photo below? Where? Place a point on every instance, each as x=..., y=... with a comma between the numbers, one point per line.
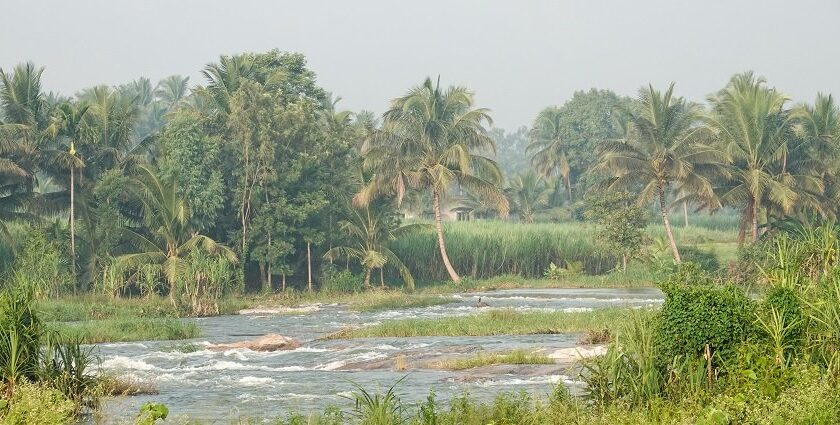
x=201, y=383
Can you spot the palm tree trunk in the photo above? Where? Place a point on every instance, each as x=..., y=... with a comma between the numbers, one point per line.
x=755, y=219
x=73, y=226
x=382, y=277
x=172, y=293
x=441, y=244
x=664, y=210
x=685, y=212
x=284, y=282
x=624, y=262
x=368, y=272
x=568, y=179
x=309, y=265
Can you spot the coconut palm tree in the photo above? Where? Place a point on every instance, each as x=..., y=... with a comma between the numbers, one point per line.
x=664, y=145
x=370, y=229
x=24, y=120
x=71, y=132
x=166, y=237
x=172, y=90
x=547, y=148
x=818, y=128
x=527, y=192
x=755, y=131
x=428, y=141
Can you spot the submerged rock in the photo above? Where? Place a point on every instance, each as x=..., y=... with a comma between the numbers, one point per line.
x=270, y=342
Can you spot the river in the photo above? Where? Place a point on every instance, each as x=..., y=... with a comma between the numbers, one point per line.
x=196, y=382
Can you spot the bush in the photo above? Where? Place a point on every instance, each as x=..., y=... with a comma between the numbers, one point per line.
x=34, y=404
x=706, y=260
x=696, y=313
x=341, y=281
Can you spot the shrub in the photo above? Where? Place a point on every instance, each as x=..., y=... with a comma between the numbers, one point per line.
x=696, y=313
x=706, y=260
x=34, y=404
x=341, y=281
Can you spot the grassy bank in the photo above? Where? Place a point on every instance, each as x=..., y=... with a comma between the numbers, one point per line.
x=127, y=329
x=493, y=322
x=489, y=359
x=100, y=307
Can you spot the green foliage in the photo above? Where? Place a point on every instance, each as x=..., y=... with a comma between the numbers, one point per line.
x=627, y=372
x=44, y=264
x=484, y=249
x=697, y=313
x=555, y=272
x=374, y=408
x=621, y=223
x=128, y=329
x=707, y=261
x=190, y=155
x=38, y=404
x=150, y=413
x=341, y=281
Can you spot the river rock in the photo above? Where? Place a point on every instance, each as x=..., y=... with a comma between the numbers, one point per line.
x=573, y=354
x=270, y=342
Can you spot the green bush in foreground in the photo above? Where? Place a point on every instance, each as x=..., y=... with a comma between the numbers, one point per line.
x=38, y=404
x=697, y=313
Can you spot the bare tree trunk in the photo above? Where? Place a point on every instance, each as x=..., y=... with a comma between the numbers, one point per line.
x=382, y=277
x=685, y=212
x=624, y=262
x=284, y=282
x=73, y=226
x=664, y=210
x=268, y=277
x=309, y=265
x=568, y=179
x=441, y=244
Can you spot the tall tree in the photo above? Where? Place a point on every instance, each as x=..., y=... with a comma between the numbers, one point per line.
x=71, y=132
x=370, y=228
x=428, y=141
x=547, y=147
x=664, y=145
x=527, y=192
x=755, y=130
x=166, y=237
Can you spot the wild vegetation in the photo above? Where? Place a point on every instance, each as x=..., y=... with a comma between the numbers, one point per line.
x=129, y=207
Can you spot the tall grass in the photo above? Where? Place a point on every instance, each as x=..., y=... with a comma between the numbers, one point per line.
x=128, y=329
x=483, y=249
x=493, y=322
x=518, y=357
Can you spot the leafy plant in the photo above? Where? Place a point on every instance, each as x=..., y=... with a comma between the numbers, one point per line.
x=697, y=313
x=150, y=413
x=377, y=408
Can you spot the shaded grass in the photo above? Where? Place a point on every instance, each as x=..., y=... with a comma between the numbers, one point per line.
x=489, y=359
x=493, y=322
x=127, y=329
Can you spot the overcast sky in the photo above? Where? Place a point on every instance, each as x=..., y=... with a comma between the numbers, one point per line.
x=518, y=56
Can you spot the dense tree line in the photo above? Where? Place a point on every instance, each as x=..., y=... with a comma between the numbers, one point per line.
x=257, y=169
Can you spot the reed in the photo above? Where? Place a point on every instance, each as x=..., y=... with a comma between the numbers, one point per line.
x=493, y=322
x=484, y=249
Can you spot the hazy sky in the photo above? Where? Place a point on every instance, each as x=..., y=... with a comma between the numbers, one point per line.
x=518, y=56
